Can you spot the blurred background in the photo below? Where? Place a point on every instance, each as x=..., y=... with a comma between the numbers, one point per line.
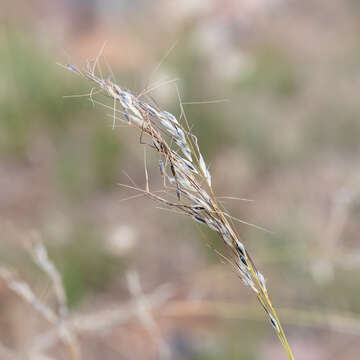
x=287, y=137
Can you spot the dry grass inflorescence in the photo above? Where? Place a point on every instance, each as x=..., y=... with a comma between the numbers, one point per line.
x=57, y=317
x=187, y=186
x=67, y=327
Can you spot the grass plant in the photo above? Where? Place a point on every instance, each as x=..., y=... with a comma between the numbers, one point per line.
x=187, y=183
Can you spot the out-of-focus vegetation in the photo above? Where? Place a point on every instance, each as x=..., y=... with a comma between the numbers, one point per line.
x=288, y=137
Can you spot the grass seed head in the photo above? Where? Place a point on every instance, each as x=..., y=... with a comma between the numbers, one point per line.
x=190, y=180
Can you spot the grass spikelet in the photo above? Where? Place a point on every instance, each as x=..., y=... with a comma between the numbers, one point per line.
x=187, y=181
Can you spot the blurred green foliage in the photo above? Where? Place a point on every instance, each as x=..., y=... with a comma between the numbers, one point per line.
x=334, y=127
x=90, y=165
x=106, y=156
x=236, y=344
x=239, y=122
x=73, y=173
x=274, y=73
x=32, y=101
x=86, y=266
x=32, y=104
x=206, y=120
